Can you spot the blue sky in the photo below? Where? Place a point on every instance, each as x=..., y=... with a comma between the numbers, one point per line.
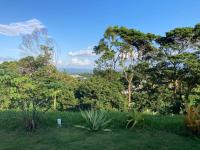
x=77, y=25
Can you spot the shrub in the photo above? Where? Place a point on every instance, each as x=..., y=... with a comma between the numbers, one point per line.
x=134, y=118
x=31, y=120
x=99, y=93
x=192, y=118
x=95, y=120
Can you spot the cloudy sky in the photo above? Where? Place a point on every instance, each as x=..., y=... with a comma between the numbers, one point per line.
x=78, y=25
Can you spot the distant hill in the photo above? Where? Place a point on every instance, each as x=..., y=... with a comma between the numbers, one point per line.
x=76, y=70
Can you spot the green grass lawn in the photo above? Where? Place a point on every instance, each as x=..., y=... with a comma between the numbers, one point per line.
x=156, y=132
x=75, y=139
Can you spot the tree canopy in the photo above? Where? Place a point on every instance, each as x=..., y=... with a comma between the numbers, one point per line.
x=134, y=70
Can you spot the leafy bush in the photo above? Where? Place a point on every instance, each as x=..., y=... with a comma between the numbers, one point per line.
x=95, y=120
x=99, y=93
x=134, y=118
x=194, y=98
x=192, y=118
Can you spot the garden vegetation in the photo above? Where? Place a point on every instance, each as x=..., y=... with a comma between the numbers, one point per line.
x=141, y=80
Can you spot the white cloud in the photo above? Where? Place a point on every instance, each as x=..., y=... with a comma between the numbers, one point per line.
x=21, y=28
x=82, y=53
x=79, y=62
x=59, y=63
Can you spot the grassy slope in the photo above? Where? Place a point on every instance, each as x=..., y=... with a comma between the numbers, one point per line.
x=74, y=139
x=162, y=133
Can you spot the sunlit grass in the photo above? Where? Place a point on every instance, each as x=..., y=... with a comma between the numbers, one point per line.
x=155, y=132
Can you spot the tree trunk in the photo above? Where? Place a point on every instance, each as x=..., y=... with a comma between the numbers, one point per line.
x=174, y=89
x=129, y=95
x=55, y=103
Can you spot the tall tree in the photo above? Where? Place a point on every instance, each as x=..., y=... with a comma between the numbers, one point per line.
x=177, y=53
x=126, y=48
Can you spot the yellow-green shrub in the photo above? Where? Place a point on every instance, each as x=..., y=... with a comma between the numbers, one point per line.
x=192, y=118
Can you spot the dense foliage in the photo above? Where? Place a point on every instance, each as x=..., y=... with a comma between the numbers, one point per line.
x=99, y=93
x=135, y=70
x=160, y=73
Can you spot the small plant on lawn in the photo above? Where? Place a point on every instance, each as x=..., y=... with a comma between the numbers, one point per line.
x=95, y=120
x=30, y=120
x=192, y=118
x=134, y=118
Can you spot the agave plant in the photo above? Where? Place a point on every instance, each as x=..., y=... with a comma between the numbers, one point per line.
x=95, y=120
x=134, y=118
